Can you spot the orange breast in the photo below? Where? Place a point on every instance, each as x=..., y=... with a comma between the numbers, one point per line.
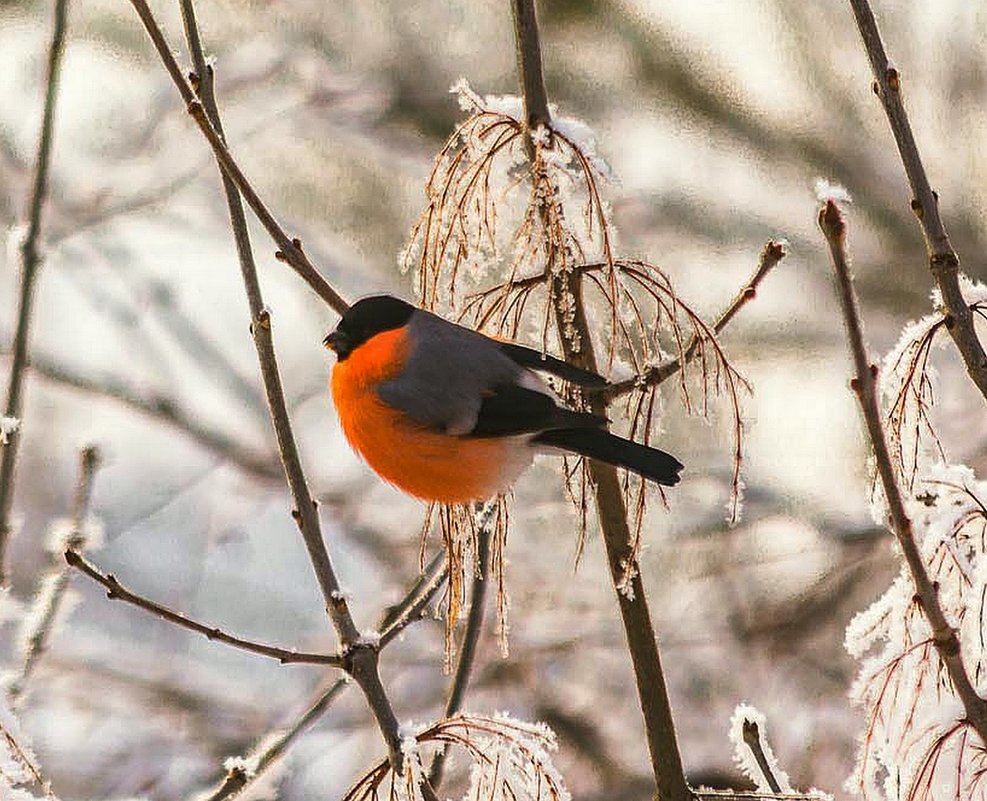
x=428, y=465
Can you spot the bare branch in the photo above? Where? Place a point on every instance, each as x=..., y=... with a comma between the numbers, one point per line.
x=943, y=260
x=30, y=262
x=237, y=779
x=393, y=621
x=471, y=634
x=864, y=386
x=115, y=591
x=290, y=250
x=752, y=739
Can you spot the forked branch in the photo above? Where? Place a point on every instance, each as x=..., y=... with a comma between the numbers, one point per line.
x=864, y=385
x=943, y=260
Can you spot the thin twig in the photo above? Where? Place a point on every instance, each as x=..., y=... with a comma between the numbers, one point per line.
x=752, y=739
x=361, y=654
x=30, y=262
x=392, y=622
x=772, y=253
x=290, y=250
x=471, y=633
x=161, y=409
x=666, y=762
x=115, y=591
x=865, y=387
x=943, y=260
x=38, y=641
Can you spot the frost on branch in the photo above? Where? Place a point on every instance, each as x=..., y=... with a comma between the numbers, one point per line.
x=460, y=526
x=916, y=744
x=8, y=425
x=509, y=761
x=748, y=734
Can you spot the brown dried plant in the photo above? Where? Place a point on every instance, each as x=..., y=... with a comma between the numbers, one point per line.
x=509, y=761
x=459, y=526
x=489, y=256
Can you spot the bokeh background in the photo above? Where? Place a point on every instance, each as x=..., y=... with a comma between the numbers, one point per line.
x=716, y=116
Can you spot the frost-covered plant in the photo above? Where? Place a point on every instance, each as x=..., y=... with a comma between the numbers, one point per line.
x=916, y=744
x=907, y=384
x=509, y=761
x=507, y=215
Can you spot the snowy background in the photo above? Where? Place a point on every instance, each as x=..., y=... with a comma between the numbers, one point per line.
x=716, y=116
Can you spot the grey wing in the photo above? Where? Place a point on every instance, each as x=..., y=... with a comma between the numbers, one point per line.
x=450, y=369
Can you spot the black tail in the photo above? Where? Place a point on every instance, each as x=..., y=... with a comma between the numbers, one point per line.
x=660, y=467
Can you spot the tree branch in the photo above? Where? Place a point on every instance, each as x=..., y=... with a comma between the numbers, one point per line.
x=772, y=253
x=115, y=591
x=30, y=262
x=943, y=260
x=865, y=387
x=392, y=622
x=360, y=653
x=666, y=761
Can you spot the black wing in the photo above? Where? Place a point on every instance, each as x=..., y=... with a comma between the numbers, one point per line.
x=511, y=409
x=536, y=360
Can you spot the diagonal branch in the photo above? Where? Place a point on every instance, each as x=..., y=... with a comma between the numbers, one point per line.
x=290, y=250
x=392, y=622
x=865, y=387
x=115, y=591
x=943, y=260
x=30, y=262
x=772, y=253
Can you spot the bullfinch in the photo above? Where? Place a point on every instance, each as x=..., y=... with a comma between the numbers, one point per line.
x=450, y=415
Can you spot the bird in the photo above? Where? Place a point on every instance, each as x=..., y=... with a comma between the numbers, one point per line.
x=450, y=415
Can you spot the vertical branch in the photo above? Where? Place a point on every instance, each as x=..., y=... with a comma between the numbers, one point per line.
x=943, y=260
x=30, y=262
x=529, y=66
x=360, y=655
x=666, y=761
x=864, y=385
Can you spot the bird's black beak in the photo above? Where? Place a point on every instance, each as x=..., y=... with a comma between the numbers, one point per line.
x=338, y=342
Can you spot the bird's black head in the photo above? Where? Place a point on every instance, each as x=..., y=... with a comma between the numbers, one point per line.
x=365, y=319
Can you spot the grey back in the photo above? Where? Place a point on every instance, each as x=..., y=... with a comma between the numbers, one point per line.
x=449, y=368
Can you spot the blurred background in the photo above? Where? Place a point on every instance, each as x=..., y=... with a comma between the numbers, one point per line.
x=717, y=117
